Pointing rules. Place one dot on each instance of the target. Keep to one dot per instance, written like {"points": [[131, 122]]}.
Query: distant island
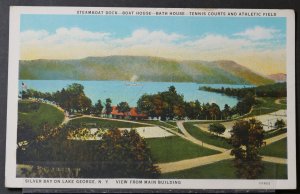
{"points": [[142, 68]]}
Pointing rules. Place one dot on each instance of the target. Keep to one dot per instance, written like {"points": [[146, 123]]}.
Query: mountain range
{"points": [[278, 77], [141, 68]]}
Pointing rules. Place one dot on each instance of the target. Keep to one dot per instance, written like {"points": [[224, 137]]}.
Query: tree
{"points": [[214, 111], [172, 89], [126, 155], [246, 138], [226, 112], [217, 128], [84, 104], [279, 124], [98, 107], [108, 107], [123, 107]]}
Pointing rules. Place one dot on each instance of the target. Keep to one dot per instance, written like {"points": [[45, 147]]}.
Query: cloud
{"points": [[144, 36], [218, 42], [30, 35], [62, 35], [75, 43], [258, 33]]}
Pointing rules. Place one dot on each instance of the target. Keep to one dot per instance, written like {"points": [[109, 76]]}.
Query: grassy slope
{"points": [[266, 105], [101, 123], [225, 170], [276, 149], [146, 68], [175, 148], [206, 137], [45, 114]]}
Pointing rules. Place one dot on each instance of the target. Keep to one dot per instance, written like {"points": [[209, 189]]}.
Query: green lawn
{"points": [[175, 148], [206, 137], [276, 149], [172, 123], [225, 170], [102, 123], [39, 115], [266, 105]]}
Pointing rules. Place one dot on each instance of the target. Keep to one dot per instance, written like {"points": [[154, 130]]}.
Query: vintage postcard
{"points": [[151, 98]]}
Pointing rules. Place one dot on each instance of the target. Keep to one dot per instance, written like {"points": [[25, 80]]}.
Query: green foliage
{"points": [[279, 124], [246, 139], [98, 107], [71, 99], [175, 148], [271, 90], [123, 107], [108, 107], [217, 128], [167, 104], [117, 155]]}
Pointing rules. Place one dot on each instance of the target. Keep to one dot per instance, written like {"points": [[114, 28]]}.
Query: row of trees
{"points": [[169, 105], [270, 90], [73, 99]]}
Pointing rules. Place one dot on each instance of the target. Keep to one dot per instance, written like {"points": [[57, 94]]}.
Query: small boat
{"points": [[133, 81]]}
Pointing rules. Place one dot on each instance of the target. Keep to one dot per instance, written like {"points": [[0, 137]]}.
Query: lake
{"points": [[130, 92]]}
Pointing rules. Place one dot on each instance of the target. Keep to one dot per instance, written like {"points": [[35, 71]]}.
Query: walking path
{"points": [[276, 138], [274, 160], [204, 160], [191, 163], [195, 162], [196, 141]]}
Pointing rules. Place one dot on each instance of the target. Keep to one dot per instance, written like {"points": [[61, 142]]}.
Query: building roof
{"points": [[133, 112]]}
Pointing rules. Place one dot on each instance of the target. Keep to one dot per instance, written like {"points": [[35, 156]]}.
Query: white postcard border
{"points": [[12, 101]]}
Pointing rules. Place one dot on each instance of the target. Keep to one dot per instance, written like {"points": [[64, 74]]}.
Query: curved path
{"points": [[196, 141], [204, 160], [195, 162]]}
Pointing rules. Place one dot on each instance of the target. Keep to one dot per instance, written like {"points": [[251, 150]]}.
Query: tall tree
{"points": [[123, 107], [98, 107], [226, 111], [108, 107], [246, 138], [214, 111]]}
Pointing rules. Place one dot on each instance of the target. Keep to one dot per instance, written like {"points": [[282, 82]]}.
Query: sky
{"points": [[258, 43]]}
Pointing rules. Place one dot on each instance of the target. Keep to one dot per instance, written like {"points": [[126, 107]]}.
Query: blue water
{"points": [[120, 91]]}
